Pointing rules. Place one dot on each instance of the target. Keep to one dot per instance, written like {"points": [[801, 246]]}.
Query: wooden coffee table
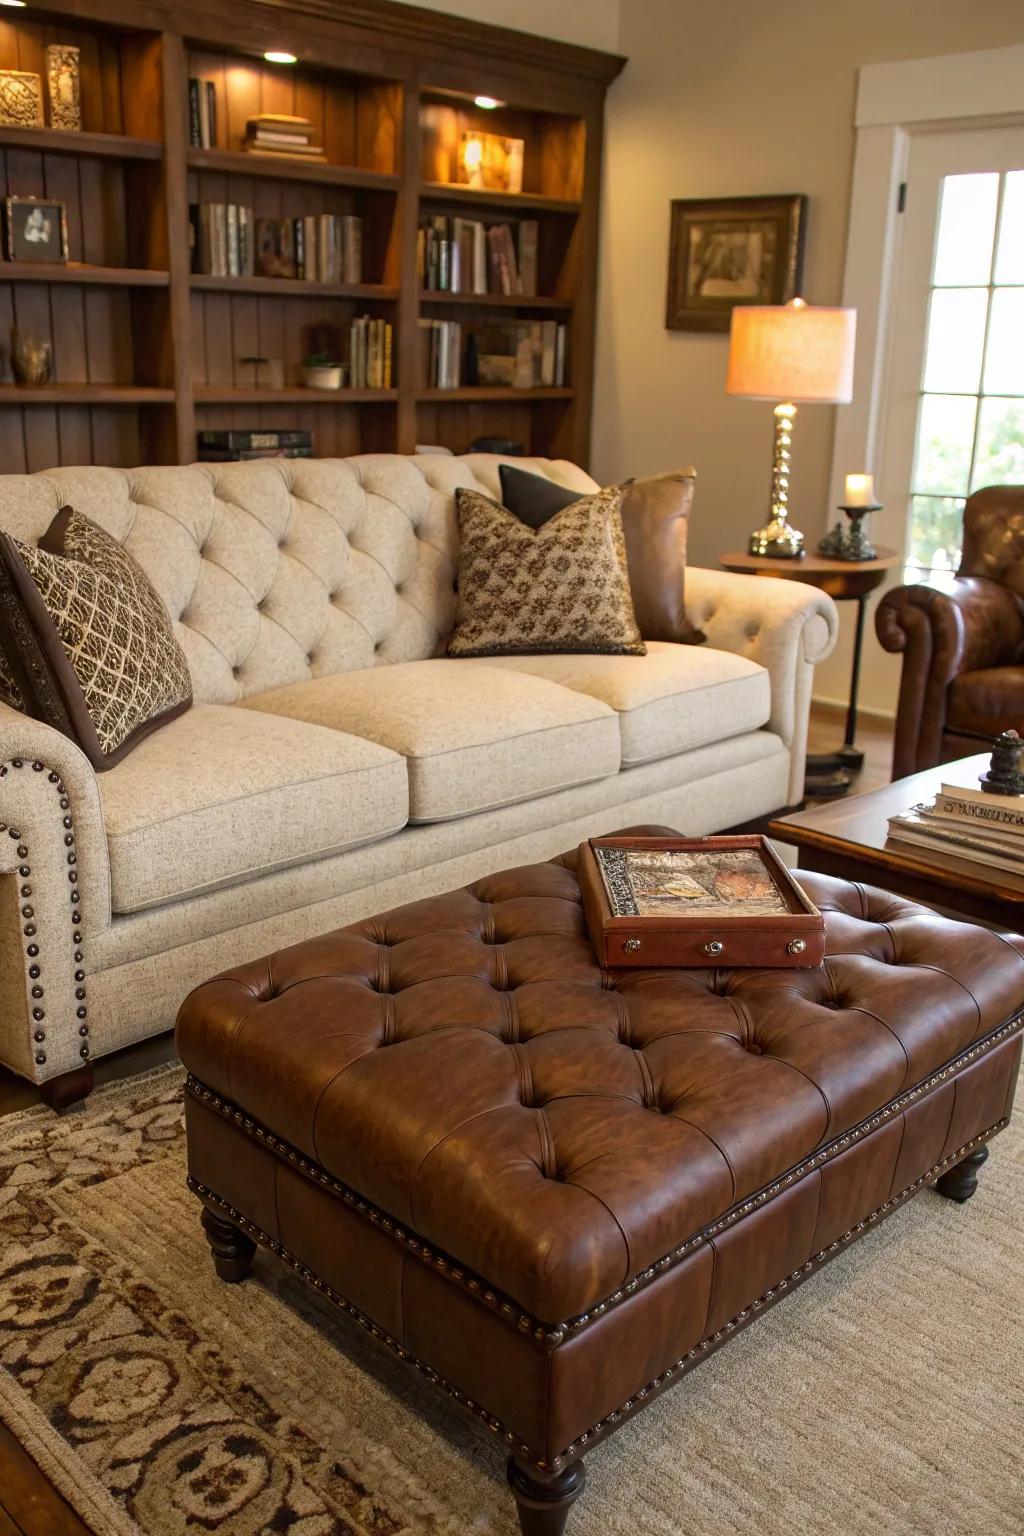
{"points": [[849, 838]]}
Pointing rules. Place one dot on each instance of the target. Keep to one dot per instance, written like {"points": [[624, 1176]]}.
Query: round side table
{"points": [[829, 773]]}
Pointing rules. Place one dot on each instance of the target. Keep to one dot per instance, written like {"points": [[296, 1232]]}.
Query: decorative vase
{"points": [[31, 359]]}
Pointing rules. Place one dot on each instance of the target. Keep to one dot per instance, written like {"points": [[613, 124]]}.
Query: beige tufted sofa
{"points": [[335, 763]]}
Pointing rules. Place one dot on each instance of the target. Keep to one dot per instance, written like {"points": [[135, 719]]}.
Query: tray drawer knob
{"points": [[713, 947], [796, 946]]}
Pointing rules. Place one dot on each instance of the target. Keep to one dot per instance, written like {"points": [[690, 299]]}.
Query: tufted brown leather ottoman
{"points": [[555, 1189]]}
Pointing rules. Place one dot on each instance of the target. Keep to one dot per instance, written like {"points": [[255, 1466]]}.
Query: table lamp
{"points": [[793, 352]]}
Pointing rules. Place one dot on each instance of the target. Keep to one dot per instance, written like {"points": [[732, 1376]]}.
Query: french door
{"points": [[955, 417]]}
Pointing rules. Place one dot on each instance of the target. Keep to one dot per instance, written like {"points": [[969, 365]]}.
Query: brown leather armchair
{"points": [[963, 650]]}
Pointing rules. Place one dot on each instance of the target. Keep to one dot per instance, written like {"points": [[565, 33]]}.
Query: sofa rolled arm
{"points": [[54, 894], [787, 627], [976, 624]]}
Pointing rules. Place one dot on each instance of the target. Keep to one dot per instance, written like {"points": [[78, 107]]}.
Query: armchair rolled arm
{"points": [[54, 895], [787, 627], [976, 624]]}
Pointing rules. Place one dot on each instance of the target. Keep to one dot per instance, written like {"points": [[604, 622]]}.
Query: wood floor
{"points": [[29, 1504]]}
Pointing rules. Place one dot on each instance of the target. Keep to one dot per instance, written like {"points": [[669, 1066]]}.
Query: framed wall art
{"points": [[725, 251], [35, 229]]}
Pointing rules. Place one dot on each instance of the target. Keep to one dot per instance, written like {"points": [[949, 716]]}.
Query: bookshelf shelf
{"points": [[293, 286], [484, 392], [509, 202], [274, 168], [81, 272], [84, 394], [228, 394], [112, 146], [496, 300], [389, 96]]}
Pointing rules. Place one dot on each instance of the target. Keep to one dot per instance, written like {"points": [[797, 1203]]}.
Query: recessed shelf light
{"points": [[488, 103], [14, 4], [275, 56]]}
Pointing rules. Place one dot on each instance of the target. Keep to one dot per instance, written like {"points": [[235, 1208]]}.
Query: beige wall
{"points": [[592, 23], [732, 97]]}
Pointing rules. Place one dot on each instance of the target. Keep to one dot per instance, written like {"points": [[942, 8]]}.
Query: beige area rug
{"points": [[885, 1395]]}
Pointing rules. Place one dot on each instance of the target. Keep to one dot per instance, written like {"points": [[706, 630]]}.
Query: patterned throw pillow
{"points": [[86, 644], [563, 587]]}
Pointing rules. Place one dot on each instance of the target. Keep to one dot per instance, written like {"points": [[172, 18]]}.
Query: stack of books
{"points": [[275, 133], [466, 256], [967, 824], [233, 445], [440, 354], [202, 114], [369, 354], [222, 239]]}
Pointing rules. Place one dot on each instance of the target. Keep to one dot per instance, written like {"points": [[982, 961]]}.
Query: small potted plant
{"points": [[320, 372]]}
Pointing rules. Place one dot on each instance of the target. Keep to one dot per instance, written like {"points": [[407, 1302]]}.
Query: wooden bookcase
{"points": [[146, 352]]}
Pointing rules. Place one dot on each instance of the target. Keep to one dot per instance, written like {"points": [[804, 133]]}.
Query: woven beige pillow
{"points": [[86, 644], [563, 587]]}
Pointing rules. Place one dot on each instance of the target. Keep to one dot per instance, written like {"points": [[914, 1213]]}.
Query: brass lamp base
{"points": [[778, 540]]}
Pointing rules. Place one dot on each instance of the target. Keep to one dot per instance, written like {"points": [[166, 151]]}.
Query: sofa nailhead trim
{"points": [[673, 1373], [37, 992], [550, 1335]]}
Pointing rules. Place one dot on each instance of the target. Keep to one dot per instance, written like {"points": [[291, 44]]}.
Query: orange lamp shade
{"points": [[797, 351]]}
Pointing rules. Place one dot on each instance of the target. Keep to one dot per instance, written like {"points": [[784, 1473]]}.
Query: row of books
{"points": [[456, 255], [202, 114], [368, 365], [967, 824], [517, 355], [318, 247]]}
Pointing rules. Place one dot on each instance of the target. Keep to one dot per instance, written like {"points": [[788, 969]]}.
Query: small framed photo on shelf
{"points": [[725, 251], [35, 229]]}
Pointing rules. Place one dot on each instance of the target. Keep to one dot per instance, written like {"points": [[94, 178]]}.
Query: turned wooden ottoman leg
{"points": [[543, 1501], [962, 1179], [232, 1250]]}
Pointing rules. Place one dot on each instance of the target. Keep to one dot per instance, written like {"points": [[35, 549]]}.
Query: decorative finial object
{"points": [[1006, 771]]}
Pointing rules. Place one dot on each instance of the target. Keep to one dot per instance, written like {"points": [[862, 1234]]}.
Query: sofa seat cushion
{"points": [[221, 795], [672, 700], [473, 738]]}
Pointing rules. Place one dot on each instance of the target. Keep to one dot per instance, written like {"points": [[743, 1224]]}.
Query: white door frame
{"points": [[894, 101]]}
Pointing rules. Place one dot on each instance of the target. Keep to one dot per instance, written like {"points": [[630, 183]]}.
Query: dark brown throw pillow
{"points": [[655, 519], [526, 592], [86, 644]]}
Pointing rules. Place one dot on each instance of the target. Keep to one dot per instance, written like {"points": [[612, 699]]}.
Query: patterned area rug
{"points": [[887, 1394]]}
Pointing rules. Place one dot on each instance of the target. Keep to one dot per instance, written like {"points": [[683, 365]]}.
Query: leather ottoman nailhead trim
{"points": [[548, 1335], [646, 1394]]}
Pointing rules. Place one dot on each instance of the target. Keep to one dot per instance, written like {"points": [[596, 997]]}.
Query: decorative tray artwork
{"points": [[674, 901]]}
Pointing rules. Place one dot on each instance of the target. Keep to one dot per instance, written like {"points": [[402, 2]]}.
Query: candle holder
{"points": [[851, 543]]}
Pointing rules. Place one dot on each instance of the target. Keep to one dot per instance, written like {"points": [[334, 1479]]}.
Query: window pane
{"points": [[936, 531], [1004, 362], [1000, 455], [1010, 256], [945, 436], [956, 340], [963, 252]]}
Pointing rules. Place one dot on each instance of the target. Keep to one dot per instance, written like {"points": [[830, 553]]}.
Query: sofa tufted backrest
{"points": [[279, 570]]}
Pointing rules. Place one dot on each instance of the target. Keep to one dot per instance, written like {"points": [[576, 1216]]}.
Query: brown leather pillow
{"points": [[655, 513], [86, 644]]}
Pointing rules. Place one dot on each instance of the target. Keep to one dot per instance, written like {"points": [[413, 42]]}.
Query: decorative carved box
{"points": [[62, 77], [21, 99], [696, 901]]}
